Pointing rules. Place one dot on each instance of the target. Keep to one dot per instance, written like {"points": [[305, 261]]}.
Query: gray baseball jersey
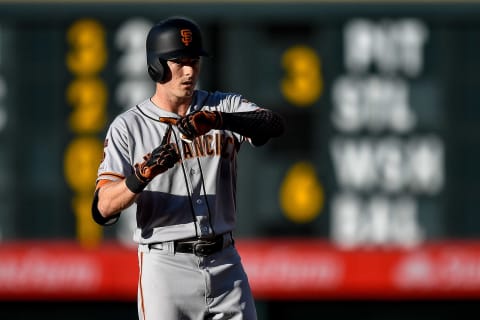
{"points": [[196, 198]]}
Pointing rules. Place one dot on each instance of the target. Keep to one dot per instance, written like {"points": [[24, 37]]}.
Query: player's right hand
{"points": [[159, 160]]}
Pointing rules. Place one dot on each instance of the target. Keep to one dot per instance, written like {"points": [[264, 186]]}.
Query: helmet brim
{"points": [[183, 54]]}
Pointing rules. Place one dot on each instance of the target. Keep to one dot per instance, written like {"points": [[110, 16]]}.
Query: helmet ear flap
{"points": [[158, 70]]}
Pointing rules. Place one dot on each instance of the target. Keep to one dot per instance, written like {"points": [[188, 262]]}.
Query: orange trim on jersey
{"points": [[101, 183], [114, 174], [142, 303]]}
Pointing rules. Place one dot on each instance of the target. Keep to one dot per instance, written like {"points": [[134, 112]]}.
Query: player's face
{"points": [[185, 72]]}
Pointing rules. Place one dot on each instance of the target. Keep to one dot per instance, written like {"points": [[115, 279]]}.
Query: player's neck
{"points": [[171, 103]]}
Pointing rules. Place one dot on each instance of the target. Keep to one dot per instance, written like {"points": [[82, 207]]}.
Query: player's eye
{"points": [[186, 61]]}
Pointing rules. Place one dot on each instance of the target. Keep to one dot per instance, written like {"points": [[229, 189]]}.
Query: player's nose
{"points": [[188, 69]]}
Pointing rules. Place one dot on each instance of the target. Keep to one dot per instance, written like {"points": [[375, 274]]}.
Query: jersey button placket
{"points": [[194, 173]]}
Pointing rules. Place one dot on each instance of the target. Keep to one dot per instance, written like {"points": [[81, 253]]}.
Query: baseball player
{"points": [[175, 156]]}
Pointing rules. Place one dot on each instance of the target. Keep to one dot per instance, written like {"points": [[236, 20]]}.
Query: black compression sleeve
{"points": [[259, 125], [97, 216]]}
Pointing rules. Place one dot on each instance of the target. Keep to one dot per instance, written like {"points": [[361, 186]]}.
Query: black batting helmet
{"points": [[172, 38]]}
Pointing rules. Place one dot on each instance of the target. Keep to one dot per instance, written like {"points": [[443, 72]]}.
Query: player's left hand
{"points": [[197, 123]]}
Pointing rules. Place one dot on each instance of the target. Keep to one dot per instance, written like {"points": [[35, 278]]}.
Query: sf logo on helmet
{"points": [[186, 36]]}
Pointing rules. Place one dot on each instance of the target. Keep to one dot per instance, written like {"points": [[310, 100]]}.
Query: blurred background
{"points": [[367, 207]]}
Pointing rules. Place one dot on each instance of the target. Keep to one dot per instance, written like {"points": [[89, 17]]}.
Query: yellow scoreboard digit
{"points": [[303, 83], [87, 96]]}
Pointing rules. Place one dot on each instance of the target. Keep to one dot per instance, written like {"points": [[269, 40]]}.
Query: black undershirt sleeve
{"points": [[259, 125]]}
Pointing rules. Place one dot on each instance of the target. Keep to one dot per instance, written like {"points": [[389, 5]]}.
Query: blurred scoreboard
{"points": [[381, 103]]}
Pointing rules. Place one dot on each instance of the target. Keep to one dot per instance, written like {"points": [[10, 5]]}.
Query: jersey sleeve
{"points": [[237, 103], [116, 162]]}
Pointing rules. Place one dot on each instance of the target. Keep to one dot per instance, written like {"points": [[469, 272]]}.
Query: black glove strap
{"points": [[134, 184]]}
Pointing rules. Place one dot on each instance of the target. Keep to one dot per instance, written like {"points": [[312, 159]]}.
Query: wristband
{"points": [[134, 184]]}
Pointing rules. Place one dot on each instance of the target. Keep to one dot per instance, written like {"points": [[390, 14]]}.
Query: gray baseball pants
{"points": [[183, 286]]}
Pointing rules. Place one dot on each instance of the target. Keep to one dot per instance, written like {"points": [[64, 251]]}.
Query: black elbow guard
{"points": [[97, 216]]}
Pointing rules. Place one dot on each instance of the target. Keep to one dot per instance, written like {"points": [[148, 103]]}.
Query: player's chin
{"points": [[187, 91]]}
